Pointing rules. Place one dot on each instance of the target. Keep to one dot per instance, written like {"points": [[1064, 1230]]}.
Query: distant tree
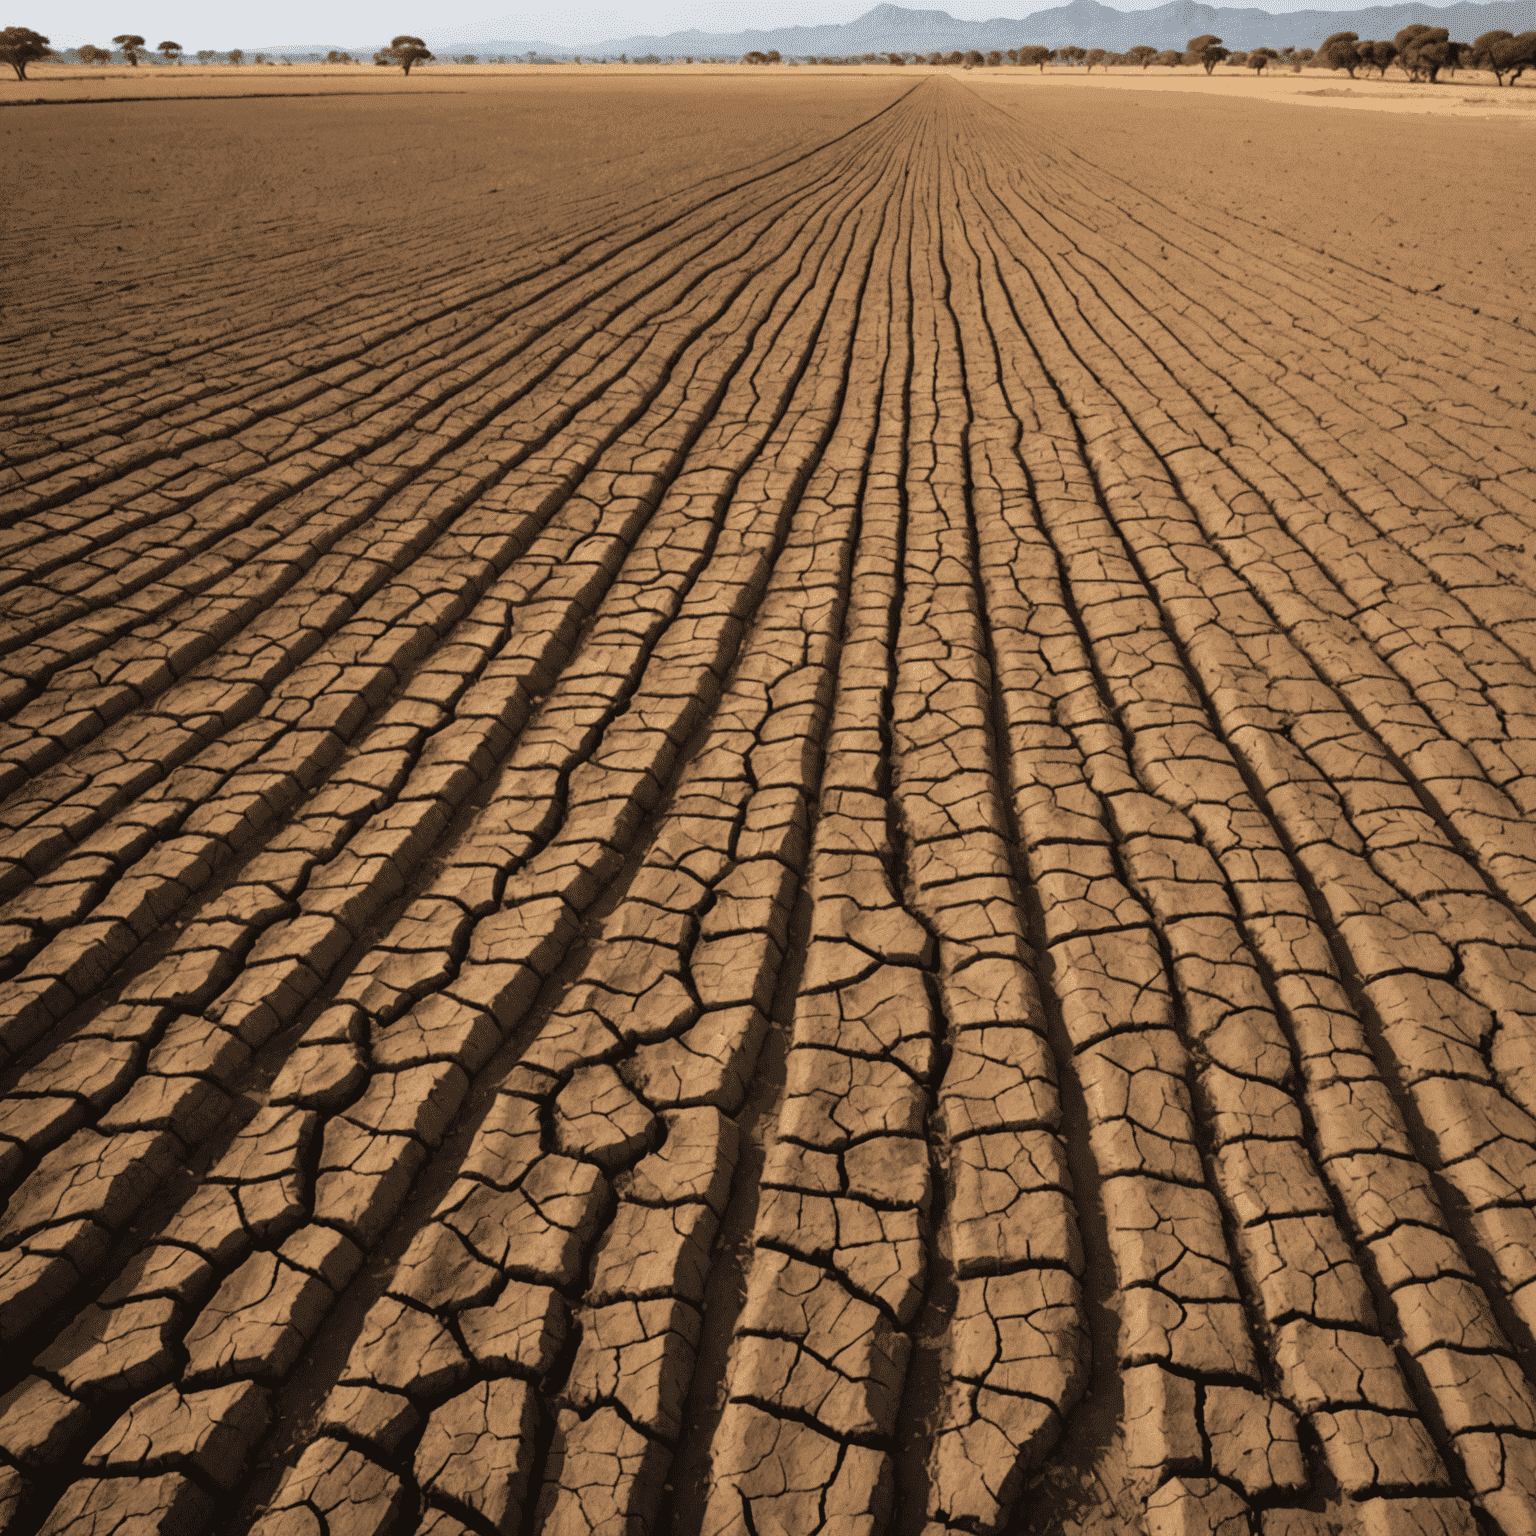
{"points": [[1072, 54], [1305, 55], [754, 57], [1341, 50], [406, 51], [1423, 51], [170, 52], [896, 58], [1169, 58], [131, 45], [236, 55], [1205, 51], [1502, 53], [994, 59], [1096, 56], [91, 54], [1237, 60], [1260, 60], [1141, 55], [1376, 55], [774, 57], [1037, 55], [20, 46], [260, 58], [335, 56], [206, 55], [973, 58]]}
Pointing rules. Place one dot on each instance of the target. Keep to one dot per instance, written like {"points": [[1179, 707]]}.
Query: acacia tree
{"points": [[1341, 50], [1205, 50], [1170, 58], [1038, 55], [1423, 51], [1096, 56], [237, 55], [1260, 59], [1237, 60], [170, 52], [1377, 56], [1072, 54], [20, 46], [1502, 53], [405, 51], [131, 45], [1141, 55], [91, 54]]}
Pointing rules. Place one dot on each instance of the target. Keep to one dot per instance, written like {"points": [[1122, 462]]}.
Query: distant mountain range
{"points": [[895, 29]]}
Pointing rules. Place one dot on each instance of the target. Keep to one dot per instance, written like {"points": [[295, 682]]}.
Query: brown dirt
{"points": [[768, 804]]}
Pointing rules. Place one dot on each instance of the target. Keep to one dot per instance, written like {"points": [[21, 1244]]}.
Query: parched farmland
{"points": [[767, 807]]}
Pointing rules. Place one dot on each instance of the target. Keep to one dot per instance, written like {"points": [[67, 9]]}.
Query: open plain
{"points": [[772, 803]]}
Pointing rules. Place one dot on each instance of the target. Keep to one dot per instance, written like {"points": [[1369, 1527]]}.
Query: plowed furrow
{"points": [[834, 836], [199, 964], [637, 388]]}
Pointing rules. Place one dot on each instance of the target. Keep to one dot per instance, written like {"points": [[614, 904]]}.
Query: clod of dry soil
{"points": [[768, 805]]}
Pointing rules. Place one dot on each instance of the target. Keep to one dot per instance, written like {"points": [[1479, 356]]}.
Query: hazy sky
{"points": [[349, 23]]}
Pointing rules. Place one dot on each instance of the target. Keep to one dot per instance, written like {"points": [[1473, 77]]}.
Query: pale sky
{"points": [[351, 24]]}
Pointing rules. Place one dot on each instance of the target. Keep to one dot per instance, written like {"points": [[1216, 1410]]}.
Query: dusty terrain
{"points": [[768, 805]]}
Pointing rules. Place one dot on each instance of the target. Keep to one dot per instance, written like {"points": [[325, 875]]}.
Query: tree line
{"points": [[1142, 56], [21, 46], [1421, 52]]}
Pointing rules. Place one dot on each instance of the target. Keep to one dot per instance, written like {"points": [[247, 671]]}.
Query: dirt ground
{"points": [[767, 802]]}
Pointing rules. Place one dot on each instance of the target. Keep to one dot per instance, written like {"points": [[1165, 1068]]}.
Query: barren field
{"points": [[767, 806]]}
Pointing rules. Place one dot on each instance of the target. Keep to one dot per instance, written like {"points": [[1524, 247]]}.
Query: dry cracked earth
{"points": [[830, 833]]}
